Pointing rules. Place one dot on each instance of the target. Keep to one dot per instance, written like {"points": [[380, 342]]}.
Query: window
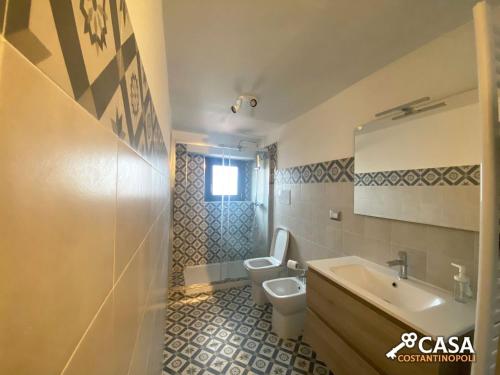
{"points": [[223, 178]]}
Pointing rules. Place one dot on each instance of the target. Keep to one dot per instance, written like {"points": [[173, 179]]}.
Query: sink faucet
{"points": [[402, 262]]}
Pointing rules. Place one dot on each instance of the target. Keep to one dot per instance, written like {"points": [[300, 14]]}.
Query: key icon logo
{"points": [[408, 340]]}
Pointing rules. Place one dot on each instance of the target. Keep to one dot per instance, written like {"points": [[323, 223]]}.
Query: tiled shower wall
{"points": [[85, 204], [317, 188], [207, 232]]}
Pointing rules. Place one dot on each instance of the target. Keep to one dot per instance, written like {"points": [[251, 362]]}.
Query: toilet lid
{"points": [[280, 244]]}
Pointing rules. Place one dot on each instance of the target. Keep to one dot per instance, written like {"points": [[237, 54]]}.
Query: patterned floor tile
{"points": [[223, 332], [261, 365], [219, 364], [175, 365], [192, 369], [278, 370]]}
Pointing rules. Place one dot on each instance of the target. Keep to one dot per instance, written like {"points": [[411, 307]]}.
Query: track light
{"points": [[235, 108], [252, 100]]}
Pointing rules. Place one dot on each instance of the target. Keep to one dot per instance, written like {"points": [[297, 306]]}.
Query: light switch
{"points": [[335, 215]]}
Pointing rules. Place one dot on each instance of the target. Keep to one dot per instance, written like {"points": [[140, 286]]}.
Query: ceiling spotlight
{"points": [[235, 108], [252, 100]]}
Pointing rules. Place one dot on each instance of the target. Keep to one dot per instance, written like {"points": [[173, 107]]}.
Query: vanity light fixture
{"points": [[410, 108], [403, 107], [414, 111]]}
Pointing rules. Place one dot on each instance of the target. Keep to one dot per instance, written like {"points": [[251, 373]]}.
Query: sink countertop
{"points": [[449, 318]]}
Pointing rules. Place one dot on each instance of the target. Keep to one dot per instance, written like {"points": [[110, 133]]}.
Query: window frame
{"points": [[209, 163]]}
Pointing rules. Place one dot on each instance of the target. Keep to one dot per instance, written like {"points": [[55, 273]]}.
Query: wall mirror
{"points": [[420, 163]]}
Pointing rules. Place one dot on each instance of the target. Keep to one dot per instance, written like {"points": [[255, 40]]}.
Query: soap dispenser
{"points": [[462, 291]]}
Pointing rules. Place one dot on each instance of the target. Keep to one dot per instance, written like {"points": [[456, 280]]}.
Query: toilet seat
{"points": [[261, 263], [279, 247], [266, 268]]}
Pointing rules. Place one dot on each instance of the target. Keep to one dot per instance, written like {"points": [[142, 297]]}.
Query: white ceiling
{"points": [[291, 54]]}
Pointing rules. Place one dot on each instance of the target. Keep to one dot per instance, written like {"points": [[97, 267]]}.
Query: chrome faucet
{"points": [[402, 262], [302, 276]]}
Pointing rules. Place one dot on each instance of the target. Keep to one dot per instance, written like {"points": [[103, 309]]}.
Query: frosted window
{"points": [[224, 180]]}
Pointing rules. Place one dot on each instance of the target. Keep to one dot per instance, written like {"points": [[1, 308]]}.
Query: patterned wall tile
{"points": [[88, 48], [341, 170], [443, 176], [95, 35], [207, 232]]}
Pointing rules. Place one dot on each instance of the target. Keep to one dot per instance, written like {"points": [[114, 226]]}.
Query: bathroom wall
{"points": [[440, 68], [325, 134], [430, 249], [84, 195], [207, 232]]}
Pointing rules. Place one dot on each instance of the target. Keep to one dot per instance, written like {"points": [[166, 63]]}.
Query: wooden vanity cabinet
{"points": [[352, 336]]}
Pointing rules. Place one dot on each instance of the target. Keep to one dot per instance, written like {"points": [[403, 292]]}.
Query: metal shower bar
{"points": [[222, 146]]}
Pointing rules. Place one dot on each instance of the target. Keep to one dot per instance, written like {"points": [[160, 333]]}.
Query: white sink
{"points": [[401, 293], [427, 308]]}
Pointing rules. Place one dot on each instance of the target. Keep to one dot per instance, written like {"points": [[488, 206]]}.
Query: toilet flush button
{"points": [[335, 215], [284, 196]]}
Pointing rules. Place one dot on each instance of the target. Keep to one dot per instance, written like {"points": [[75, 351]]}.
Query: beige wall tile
{"points": [[379, 229], [352, 243], [58, 201], [409, 235], [311, 192], [334, 197], [94, 355], [451, 242], [155, 359], [59, 167], [320, 211], [158, 290], [347, 194], [352, 223], [376, 250], [440, 272], [314, 236], [301, 209], [158, 193], [331, 238], [139, 361], [295, 193], [133, 211], [128, 294]]}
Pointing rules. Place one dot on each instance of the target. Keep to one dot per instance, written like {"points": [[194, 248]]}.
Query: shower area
{"points": [[220, 213]]}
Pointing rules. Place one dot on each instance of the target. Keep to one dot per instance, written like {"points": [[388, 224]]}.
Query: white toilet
{"points": [[266, 268], [288, 297]]}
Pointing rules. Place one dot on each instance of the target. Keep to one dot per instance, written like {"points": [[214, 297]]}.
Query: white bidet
{"points": [[288, 297]]}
